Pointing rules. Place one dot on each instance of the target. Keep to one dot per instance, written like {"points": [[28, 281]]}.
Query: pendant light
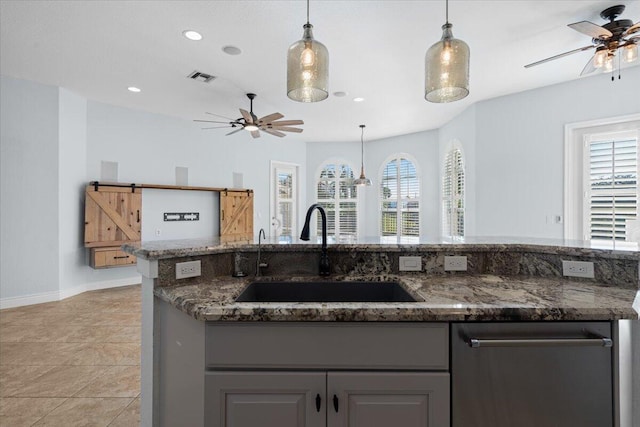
{"points": [[447, 67], [363, 180], [307, 68]]}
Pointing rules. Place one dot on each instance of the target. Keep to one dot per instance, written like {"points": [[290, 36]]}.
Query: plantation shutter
{"points": [[400, 199], [612, 190], [453, 183], [337, 194]]}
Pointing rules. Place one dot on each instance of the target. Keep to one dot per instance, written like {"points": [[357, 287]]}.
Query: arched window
{"points": [[337, 194], [453, 194], [400, 200]]}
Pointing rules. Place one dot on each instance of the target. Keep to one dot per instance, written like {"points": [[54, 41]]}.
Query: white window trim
{"points": [[273, 164], [383, 166], [574, 134], [316, 177]]}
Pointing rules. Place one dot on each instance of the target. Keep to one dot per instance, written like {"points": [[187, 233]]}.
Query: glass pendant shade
{"points": [[307, 69], [630, 53], [600, 57], [447, 69]]}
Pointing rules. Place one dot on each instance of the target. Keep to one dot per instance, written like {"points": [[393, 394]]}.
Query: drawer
{"points": [[345, 345], [110, 257]]}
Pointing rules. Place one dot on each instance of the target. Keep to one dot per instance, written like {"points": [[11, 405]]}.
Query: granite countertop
{"points": [[441, 298], [165, 249]]}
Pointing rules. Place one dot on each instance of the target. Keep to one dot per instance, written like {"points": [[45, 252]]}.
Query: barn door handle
{"points": [[318, 402], [335, 402], [138, 215]]}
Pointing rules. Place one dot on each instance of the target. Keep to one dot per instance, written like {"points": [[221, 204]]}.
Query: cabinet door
{"points": [[265, 399], [112, 215], [371, 399]]}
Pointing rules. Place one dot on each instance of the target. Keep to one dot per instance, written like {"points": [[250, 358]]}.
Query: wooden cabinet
{"points": [[332, 399], [110, 257], [112, 215]]}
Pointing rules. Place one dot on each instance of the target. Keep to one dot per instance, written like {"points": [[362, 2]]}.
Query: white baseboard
{"points": [[20, 301]]}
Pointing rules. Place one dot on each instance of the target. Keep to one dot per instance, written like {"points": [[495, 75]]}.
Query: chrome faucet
{"points": [[325, 269], [259, 264]]}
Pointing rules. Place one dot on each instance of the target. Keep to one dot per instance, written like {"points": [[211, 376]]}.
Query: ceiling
{"points": [[377, 48]]}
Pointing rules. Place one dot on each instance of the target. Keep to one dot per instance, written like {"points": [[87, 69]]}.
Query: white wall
{"points": [[520, 146], [156, 202], [28, 189], [423, 146], [149, 146]]}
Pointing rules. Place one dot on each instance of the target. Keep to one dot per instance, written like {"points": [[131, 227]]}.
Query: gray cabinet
{"points": [[266, 399], [383, 399], [333, 399]]}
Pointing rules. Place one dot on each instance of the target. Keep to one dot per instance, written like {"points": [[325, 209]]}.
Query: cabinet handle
{"points": [[549, 342], [335, 402], [121, 257], [138, 215], [318, 402]]}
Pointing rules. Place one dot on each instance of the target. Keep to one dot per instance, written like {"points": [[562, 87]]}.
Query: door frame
{"points": [[273, 165]]}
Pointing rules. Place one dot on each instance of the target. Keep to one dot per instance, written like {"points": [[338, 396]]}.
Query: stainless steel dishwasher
{"points": [[538, 374]]}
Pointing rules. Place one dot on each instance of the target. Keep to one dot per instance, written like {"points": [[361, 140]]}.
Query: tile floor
{"points": [[71, 363]]}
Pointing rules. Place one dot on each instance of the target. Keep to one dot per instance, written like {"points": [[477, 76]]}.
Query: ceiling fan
{"points": [[251, 123], [606, 40]]}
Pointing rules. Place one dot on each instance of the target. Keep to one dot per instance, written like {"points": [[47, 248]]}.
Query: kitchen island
{"points": [[515, 282]]}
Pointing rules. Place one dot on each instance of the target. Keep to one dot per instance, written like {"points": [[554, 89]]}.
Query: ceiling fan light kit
{"points": [[270, 123], [447, 67], [307, 68], [616, 36], [363, 180]]}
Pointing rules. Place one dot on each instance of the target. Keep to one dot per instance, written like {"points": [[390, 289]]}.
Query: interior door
{"points": [[369, 399], [265, 399], [284, 204], [112, 215]]}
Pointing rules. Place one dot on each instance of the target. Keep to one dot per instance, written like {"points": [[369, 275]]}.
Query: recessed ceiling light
{"points": [[133, 89], [340, 94], [192, 35], [231, 50], [358, 99]]}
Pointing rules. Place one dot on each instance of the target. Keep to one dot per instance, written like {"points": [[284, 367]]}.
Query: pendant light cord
{"points": [[446, 8], [307, 11], [362, 146]]}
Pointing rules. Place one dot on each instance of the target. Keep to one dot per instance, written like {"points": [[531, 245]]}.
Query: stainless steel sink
{"points": [[325, 292]]}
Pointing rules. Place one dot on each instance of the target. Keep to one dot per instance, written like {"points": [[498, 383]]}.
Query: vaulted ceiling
{"points": [[377, 48]]}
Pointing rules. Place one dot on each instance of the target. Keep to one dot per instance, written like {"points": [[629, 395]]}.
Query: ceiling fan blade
{"points": [[285, 129], [632, 29], [287, 123], [234, 131], [589, 67], [255, 134], [216, 127], [559, 56], [270, 118], [222, 117], [210, 121], [246, 115], [592, 30], [274, 132]]}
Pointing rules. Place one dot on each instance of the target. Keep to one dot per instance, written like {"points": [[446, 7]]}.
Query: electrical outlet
{"points": [[188, 269], [578, 269], [455, 263], [410, 263]]}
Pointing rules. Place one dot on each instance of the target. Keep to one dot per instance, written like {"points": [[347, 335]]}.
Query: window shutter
{"points": [[612, 190], [453, 182], [337, 194], [400, 200]]}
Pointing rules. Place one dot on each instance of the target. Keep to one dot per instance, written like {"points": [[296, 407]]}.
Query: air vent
{"points": [[201, 77]]}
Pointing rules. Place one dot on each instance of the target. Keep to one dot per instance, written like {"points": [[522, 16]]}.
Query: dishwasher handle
{"points": [[542, 342]]}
